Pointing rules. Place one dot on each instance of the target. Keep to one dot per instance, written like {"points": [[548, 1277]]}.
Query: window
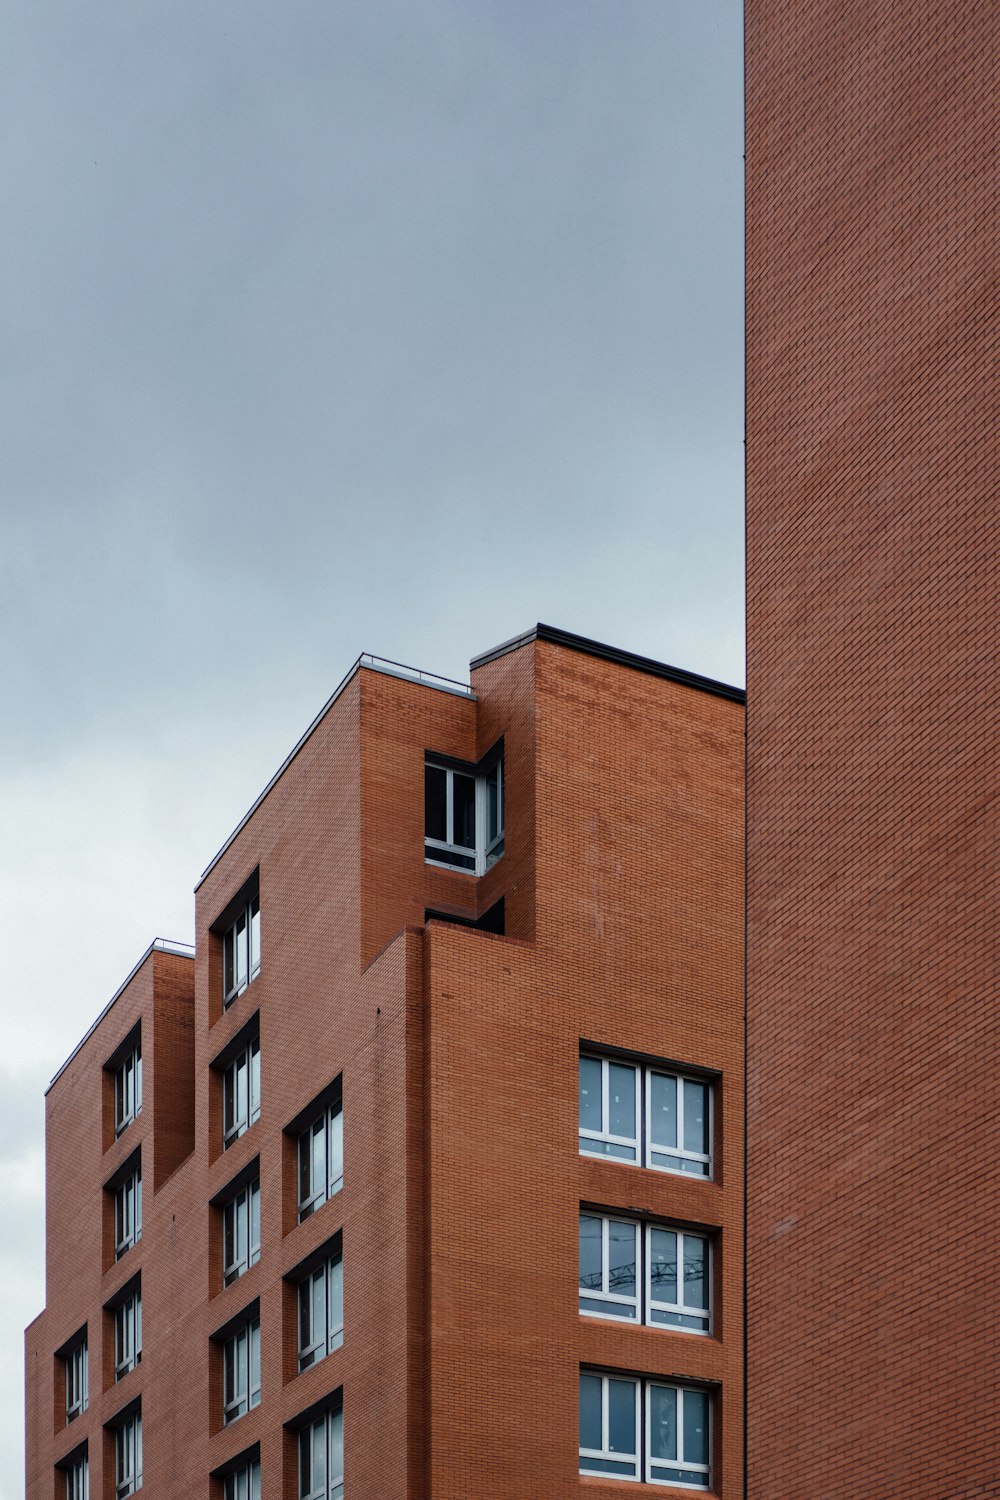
{"points": [[128, 1089], [75, 1363], [77, 1473], [643, 1115], [128, 1333], [128, 1457], [241, 1232], [321, 1458], [321, 1160], [241, 1371], [241, 1093], [128, 1212], [321, 1311], [464, 815], [241, 951], [244, 1483], [672, 1272], [644, 1429]]}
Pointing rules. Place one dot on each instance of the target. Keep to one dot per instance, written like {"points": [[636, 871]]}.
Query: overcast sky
{"points": [[327, 328]]}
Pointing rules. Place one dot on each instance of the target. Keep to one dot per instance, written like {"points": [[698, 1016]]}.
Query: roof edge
{"points": [[158, 945], [630, 659]]}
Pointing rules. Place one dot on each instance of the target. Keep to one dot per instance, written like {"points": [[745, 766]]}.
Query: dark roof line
{"points": [[582, 643]]}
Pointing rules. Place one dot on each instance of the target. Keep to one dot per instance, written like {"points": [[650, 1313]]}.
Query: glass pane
{"points": [[336, 1148], [318, 1155], [695, 1265], [255, 1080], [336, 1310], [622, 1243], [305, 1165], [305, 1461], [464, 825], [621, 1098], [621, 1416], [590, 1412], [606, 1309], [695, 1116], [695, 1427], [435, 794], [254, 936], [319, 1454], [662, 1422], [663, 1265], [255, 1480], [254, 1246], [625, 1468], [137, 1083], [590, 1093], [336, 1444], [228, 965], [590, 1254], [255, 1354], [240, 935], [663, 1109], [495, 824]]}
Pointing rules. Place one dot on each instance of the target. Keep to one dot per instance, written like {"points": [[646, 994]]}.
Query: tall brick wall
{"points": [[873, 1035]]}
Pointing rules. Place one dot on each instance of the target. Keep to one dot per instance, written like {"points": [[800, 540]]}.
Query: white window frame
{"points": [[485, 853], [241, 951], [605, 1135], [242, 1212], [332, 1438], [605, 1294], [331, 1124], [128, 1089], [695, 1469], [241, 1371], [76, 1380], [591, 1140], [78, 1478], [604, 1454], [243, 1483], [241, 1114], [677, 1309], [128, 1333], [128, 1456], [326, 1309], [128, 1212]]}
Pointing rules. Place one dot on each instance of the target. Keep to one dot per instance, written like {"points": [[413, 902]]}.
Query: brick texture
{"points": [[873, 1199]]}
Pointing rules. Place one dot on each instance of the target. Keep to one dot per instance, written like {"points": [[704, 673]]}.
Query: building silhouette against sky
{"points": [[423, 1175]]}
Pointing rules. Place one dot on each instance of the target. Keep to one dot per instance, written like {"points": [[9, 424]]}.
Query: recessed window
{"points": [[321, 1458], [241, 1093], [644, 1430], [128, 1333], [464, 815], [241, 1371], [75, 1366], [241, 951], [241, 1232], [644, 1273], [128, 1212], [128, 1089], [645, 1115], [321, 1159], [128, 1456], [321, 1311], [77, 1476], [244, 1483]]}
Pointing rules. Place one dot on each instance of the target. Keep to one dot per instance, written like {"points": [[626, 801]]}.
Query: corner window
{"points": [[128, 1457], [77, 1475], [321, 1459], [645, 1115], [644, 1430], [128, 1333], [75, 1366], [244, 1483], [241, 1093], [464, 814], [128, 1211], [241, 1232], [321, 1311], [241, 1371], [241, 951], [128, 1089], [644, 1273], [321, 1160]]}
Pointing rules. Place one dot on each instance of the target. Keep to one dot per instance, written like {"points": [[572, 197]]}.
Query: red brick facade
{"points": [[458, 1053], [872, 473]]}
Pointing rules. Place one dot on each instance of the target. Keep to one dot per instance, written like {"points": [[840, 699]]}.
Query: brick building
{"points": [[872, 476], [421, 1175]]}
